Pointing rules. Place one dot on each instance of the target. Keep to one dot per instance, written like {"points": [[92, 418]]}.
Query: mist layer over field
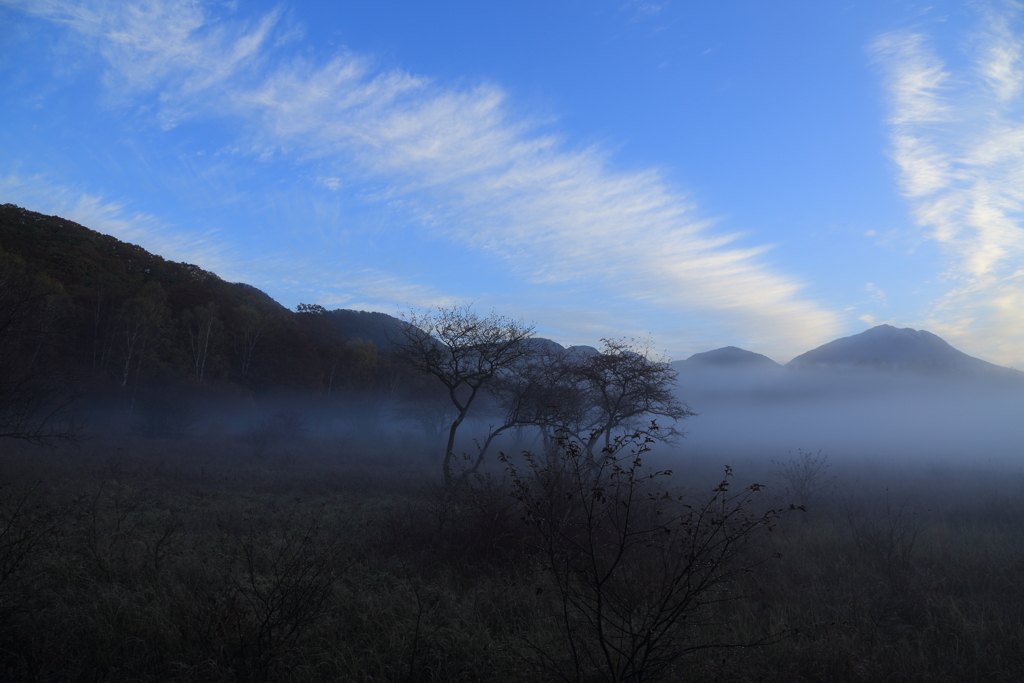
{"points": [[855, 413], [851, 416]]}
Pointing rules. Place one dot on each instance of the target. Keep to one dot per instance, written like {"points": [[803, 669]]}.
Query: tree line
{"points": [[84, 313]]}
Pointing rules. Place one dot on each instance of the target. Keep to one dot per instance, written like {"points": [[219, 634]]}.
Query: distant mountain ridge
{"points": [[728, 357], [882, 346], [885, 345]]}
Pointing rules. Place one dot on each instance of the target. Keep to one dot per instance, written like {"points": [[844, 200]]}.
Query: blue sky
{"points": [[766, 175]]}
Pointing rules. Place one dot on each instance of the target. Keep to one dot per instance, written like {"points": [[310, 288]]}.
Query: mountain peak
{"points": [[729, 357], [886, 345]]}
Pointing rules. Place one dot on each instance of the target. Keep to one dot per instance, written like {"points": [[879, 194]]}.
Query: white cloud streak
{"points": [[471, 171], [958, 139]]}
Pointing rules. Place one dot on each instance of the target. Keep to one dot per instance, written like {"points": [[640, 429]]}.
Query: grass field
{"points": [[136, 560]]}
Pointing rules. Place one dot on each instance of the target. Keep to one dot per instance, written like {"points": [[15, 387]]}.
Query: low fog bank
{"points": [[743, 417], [281, 421], [855, 413]]}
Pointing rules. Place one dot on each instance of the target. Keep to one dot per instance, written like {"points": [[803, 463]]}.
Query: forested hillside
{"points": [[123, 323]]}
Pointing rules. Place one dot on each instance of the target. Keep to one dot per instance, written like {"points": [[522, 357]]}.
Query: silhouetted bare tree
{"points": [[466, 352], [202, 328], [591, 395], [142, 318], [250, 326], [623, 387]]}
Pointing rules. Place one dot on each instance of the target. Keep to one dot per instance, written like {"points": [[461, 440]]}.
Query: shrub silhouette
{"points": [[805, 476], [635, 572]]}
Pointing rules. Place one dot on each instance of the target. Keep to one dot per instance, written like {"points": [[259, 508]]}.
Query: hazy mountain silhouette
{"points": [[582, 350], [727, 357], [881, 362], [886, 346]]}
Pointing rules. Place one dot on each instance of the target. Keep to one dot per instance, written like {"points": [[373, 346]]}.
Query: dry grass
{"points": [[191, 560]]}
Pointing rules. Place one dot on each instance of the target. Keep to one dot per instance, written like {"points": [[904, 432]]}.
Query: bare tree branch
{"points": [[467, 353]]}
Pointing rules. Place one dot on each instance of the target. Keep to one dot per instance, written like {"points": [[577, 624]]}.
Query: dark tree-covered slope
{"points": [[138, 319]]}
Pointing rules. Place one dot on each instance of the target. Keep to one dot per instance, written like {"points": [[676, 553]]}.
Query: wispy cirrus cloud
{"points": [[958, 140], [464, 166]]}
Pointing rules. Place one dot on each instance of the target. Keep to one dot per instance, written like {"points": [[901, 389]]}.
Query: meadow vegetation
{"points": [[201, 559]]}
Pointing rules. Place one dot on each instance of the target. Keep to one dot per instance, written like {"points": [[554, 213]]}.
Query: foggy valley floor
{"points": [[127, 559]]}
